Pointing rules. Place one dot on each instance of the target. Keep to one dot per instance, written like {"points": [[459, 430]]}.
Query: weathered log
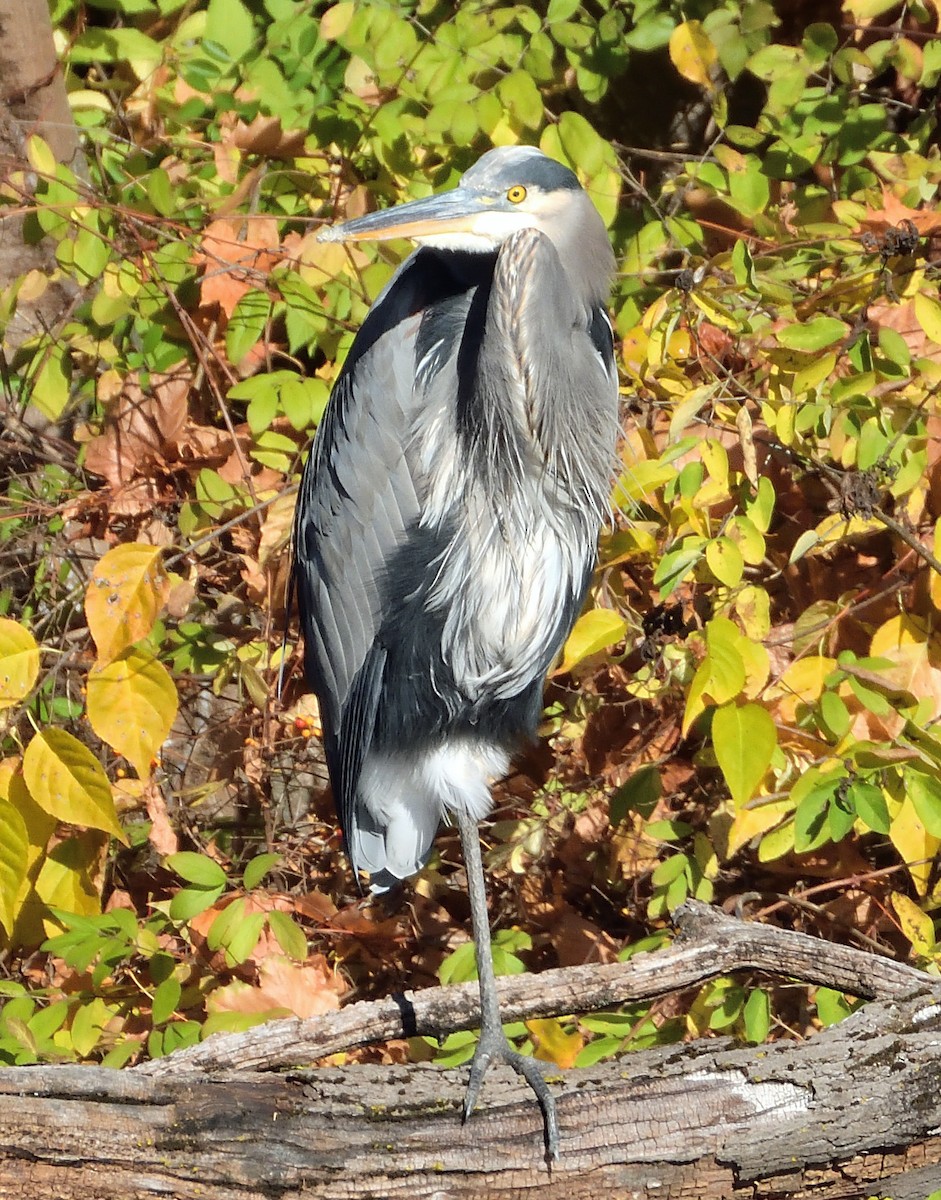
{"points": [[853, 1111]]}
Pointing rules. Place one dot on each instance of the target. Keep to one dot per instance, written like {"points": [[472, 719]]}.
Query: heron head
{"points": [[509, 188]]}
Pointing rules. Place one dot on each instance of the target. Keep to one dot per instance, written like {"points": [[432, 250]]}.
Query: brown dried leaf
{"points": [[162, 835], [307, 990], [141, 428], [265, 136], [315, 906], [894, 212]]}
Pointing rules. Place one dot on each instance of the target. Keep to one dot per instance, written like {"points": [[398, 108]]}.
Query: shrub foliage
{"points": [[746, 712]]}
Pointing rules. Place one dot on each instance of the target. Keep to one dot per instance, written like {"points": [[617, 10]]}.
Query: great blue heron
{"points": [[448, 518]]}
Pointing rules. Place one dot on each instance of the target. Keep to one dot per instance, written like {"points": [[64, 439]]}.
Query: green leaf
{"points": [[257, 869], [835, 714], [88, 1025], [190, 901], [289, 935], [229, 24], [806, 542], [166, 1000], [521, 96], [810, 819], [671, 868], [832, 1006], [196, 868], [869, 698], [640, 793], [247, 323], [674, 566], [841, 814], [757, 1016], [460, 966], [561, 10], [813, 335], [109, 46], [744, 739], [243, 938], [160, 193], [870, 806], [51, 387], [925, 793]]}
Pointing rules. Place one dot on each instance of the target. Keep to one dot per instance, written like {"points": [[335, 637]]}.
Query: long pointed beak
{"points": [[450, 212]]}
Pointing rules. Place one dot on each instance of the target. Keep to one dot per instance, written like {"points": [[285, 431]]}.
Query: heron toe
{"points": [[494, 1047]]}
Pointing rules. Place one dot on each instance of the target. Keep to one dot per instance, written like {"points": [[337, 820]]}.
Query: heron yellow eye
{"points": [[516, 194]]}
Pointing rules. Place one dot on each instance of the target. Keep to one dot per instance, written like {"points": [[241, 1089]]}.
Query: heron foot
{"points": [[493, 1047]]}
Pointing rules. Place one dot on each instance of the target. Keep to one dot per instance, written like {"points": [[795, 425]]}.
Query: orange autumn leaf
{"points": [[236, 254], [307, 990], [553, 1044]]}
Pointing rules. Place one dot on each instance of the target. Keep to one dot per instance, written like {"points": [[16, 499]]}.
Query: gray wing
{"points": [[356, 501], [359, 499]]}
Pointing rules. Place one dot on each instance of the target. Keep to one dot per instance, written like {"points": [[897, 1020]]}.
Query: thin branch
{"points": [[710, 944]]}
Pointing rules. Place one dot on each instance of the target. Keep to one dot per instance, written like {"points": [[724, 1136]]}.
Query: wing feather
{"points": [[360, 499]]}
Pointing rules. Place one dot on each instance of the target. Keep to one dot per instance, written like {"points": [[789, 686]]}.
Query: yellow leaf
{"points": [[553, 1044], [917, 926], [65, 878], [715, 459], [127, 590], [725, 561], [915, 844], [639, 541], [714, 311], [132, 704], [594, 631], [721, 674], [19, 662], [751, 823], [66, 780], [749, 539], [808, 377], [757, 663], [743, 423], [903, 631], [336, 20], [753, 605], [39, 824], [692, 53], [928, 315], [40, 157], [744, 739], [934, 579], [801, 683], [14, 850], [640, 480]]}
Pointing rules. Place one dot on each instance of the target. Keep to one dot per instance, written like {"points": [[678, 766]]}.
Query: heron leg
{"points": [[493, 1045]]}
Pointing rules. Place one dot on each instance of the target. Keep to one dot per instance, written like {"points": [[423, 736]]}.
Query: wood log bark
{"points": [[853, 1111]]}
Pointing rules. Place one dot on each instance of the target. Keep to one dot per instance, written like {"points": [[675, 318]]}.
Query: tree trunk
{"points": [[853, 1111], [33, 100]]}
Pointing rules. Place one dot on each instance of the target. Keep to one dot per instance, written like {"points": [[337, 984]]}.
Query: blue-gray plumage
{"points": [[448, 516]]}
